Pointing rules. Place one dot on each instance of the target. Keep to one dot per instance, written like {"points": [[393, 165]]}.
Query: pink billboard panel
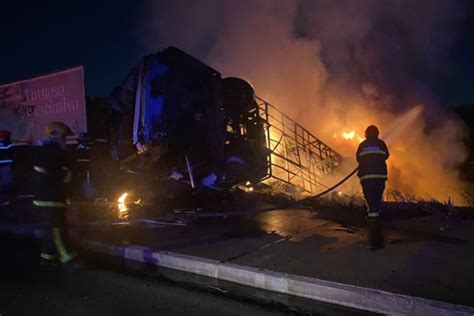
{"points": [[27, 106]]}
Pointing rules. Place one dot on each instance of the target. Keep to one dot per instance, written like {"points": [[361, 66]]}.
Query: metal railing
{"points": [[296, 156]]}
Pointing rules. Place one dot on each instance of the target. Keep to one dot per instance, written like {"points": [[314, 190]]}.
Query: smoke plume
{"points": [[336, 66]]}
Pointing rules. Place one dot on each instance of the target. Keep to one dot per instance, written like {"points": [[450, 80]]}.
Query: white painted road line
{"points": [[325, 291]]}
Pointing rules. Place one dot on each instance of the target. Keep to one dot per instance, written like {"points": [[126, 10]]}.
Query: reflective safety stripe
{"points": [[46, 256], [374, 176], [48, 203], [6, 147], [68, 176], [40, 169], [83, 160], [64, 256], [373, 214], [6, 161], [372, 152]]}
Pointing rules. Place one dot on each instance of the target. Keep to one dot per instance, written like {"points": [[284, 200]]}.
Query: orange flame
{"points": [[122, 206], [351, 136], [348, 135]]}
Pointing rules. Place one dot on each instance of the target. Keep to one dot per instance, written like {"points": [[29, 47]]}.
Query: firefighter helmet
{"points": [[56, 130], [372, 131]]}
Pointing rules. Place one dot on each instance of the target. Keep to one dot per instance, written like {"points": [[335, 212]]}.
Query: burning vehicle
{"points": [[186, 123]]}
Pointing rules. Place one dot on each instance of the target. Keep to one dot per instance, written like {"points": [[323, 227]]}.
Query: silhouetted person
{"points": [[52, 178], [371, 156]]}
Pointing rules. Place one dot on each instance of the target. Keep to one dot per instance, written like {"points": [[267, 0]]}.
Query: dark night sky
{"points": [[101, 35], [459, 86], [42, 36]]}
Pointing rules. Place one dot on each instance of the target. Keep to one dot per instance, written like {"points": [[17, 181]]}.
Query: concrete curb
{"points": [[320, 290]]}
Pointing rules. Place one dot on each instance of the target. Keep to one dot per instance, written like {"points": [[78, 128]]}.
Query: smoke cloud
{"points": [[337, 66]]}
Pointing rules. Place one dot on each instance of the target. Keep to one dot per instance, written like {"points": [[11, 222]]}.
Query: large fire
{"points": [[420, 166], [337, 78], [417, 167]]}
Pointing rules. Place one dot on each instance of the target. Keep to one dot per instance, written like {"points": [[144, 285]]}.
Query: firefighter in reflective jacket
{"points": [[6, 162], [53, 175], [371, 156]]}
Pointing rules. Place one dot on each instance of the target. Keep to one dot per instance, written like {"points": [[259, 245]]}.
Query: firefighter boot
{"points": [[376, 239]]}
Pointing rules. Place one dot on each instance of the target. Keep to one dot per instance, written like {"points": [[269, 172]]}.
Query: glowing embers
{"points": [[248, 187], [122, 209]]}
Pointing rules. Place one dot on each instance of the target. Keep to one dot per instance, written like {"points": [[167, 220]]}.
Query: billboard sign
{"points": [[27, 106]]}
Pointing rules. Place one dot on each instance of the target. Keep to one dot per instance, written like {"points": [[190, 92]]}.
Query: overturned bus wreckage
{"points": [[187, 124]]}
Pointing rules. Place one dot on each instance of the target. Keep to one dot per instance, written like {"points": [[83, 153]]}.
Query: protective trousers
{"points": [[373, 193], [53, 243]]}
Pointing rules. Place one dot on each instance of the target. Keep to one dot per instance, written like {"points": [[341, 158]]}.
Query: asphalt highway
{"points": [[104, 287]]}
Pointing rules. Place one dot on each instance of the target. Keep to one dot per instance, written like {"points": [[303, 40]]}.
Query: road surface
{"points": [[104, 287]]}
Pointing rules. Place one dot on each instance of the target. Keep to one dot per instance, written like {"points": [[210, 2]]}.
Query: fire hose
{"points": [[220, 214], [328, 189], [335, 186]]}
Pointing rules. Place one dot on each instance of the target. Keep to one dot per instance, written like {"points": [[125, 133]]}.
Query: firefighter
{"points": [[6, 162], [371, 156], [52, 177]]}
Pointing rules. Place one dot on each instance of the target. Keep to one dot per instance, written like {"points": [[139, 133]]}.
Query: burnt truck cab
{"points": [[175, 109]]}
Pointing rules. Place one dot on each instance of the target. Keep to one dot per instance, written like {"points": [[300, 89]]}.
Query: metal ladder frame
{"points": [[296, 156]]}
